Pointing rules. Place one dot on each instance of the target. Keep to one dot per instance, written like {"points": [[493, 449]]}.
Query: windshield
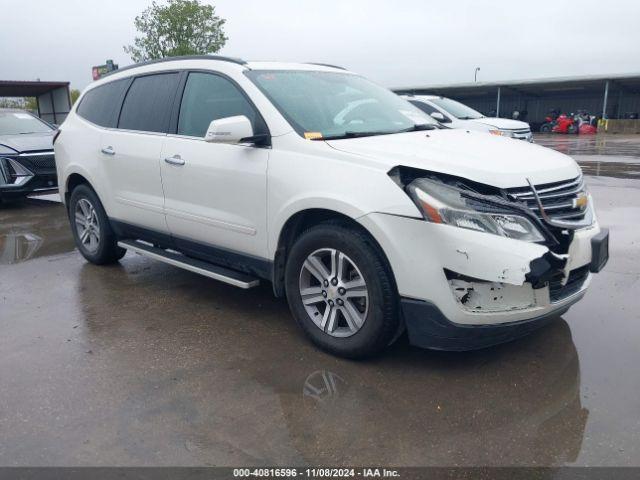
{"points": [[322, 105], [457, 109], [17, 123]]}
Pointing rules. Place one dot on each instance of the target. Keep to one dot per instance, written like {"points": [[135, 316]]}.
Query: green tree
{"points": [[181, 27], [74, 94], [31, 104]]}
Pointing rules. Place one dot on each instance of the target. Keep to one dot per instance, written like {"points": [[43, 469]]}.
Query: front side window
{"points": [[100, 104], [333, 105], [148, 103], [457, 109], [209, 97], [21, 123]]}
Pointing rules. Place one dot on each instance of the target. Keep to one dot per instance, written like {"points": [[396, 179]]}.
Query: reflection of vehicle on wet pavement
{"points": [[369, 215], [27, 162], [468, 416], [18, 247], [32, 229]]}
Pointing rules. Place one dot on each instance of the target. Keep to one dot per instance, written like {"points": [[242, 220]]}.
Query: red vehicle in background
{"points": [[580, 122]]}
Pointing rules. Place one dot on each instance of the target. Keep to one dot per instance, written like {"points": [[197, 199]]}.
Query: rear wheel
{"points": [[341, 291], [91, 229], [545, 128]]}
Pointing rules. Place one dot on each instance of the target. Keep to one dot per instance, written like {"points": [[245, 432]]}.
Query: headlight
{"points": [[440, 203], [502, 133]]}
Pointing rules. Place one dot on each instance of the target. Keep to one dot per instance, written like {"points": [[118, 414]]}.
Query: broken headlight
{"points": [[442, 203]]}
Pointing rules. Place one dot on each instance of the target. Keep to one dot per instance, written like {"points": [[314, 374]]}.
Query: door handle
{"points": [[108, 150], [175, 160]]}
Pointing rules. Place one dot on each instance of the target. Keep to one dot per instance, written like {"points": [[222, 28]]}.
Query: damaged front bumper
{"points": [[463, 289]]}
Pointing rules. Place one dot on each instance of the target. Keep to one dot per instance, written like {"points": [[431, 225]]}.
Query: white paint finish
{"points": [[219, 195], [229, 130], [418, 252], [488, 159], [306, 174], [131, 176], [240, 197], [579, 253], [80, 156]]}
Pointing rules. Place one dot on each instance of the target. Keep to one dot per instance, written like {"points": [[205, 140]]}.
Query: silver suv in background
{"points": [[457, 115], [27, 163]]}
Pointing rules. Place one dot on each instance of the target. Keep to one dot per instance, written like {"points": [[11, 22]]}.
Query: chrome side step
{"points": [[226, 275]]}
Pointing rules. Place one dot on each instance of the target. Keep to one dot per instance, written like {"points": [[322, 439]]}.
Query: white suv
{"points": [[458, 115], [365, 213]]}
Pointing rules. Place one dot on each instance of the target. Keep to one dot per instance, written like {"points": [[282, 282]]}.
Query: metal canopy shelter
{"points": [[54, 101], [610, 96]]}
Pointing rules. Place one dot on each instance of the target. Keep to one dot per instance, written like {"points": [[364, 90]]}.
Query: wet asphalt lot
{"points": [[146, 364]]}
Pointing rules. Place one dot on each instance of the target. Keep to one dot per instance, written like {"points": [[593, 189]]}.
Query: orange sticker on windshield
{"points": [[312, 135]]}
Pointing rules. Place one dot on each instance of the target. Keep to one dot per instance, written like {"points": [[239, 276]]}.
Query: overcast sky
{"points": [[397, 43]]}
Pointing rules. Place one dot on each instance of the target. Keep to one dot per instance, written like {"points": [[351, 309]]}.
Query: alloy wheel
{"points": [[87, 226], [334, 292]]}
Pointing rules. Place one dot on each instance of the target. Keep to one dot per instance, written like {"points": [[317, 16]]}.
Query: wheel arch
{"points": [[74, 176], [302, 220]]}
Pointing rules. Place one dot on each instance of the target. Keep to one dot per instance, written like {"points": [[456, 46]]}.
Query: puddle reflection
{"points": [[610, 169], [31, 229], [424, 407], [610, 145], [18, 247]]}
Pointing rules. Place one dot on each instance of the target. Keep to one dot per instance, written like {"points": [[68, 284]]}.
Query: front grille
{"points": [[522, 131], [38, 163], [576, 280], [558, 199]]}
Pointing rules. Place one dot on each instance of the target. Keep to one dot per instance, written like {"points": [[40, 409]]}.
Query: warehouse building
{"points": [[606, 96], [52, 98]]}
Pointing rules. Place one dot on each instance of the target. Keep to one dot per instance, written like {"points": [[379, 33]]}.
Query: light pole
{"points": [[475, 74]]}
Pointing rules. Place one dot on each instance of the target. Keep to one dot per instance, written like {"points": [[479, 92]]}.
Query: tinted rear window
{"points": [[100, 105], [147, 105]]}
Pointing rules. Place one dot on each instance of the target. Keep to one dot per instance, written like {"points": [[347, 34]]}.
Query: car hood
{"points": [[28, 142], [480, 157], [502, 123]]}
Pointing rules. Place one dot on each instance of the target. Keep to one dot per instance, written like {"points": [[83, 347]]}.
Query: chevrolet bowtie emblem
{"points": [[580, 201]]}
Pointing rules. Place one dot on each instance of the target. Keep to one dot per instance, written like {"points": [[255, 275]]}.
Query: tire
{"points": [[368, 318], [105, 250], [545, 128]]}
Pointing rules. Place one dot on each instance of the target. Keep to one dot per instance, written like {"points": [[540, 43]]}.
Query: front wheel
{"points": [[91, 229], [341, 291]]}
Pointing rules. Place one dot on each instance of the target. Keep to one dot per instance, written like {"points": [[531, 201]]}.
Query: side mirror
{"points": [[440, 117], [236, 129]]}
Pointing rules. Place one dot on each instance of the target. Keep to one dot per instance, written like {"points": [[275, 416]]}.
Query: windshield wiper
{"points": [[351, 134], [421, 126]]}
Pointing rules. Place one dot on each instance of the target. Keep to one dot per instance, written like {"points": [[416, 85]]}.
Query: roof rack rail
{"points": [[326, 65], [220, 58]]}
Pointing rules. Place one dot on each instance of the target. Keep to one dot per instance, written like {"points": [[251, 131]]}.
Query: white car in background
{"points": [[457, 115]]}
